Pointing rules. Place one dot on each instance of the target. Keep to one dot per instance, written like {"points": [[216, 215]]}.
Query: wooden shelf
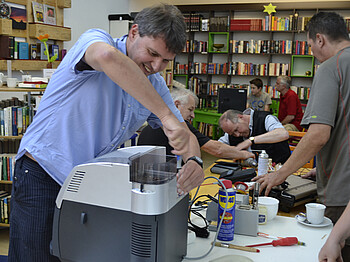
{"points": [[27, 64], [10, 137], [55, 32], [4, 225], [18, 89], [5, 182]]}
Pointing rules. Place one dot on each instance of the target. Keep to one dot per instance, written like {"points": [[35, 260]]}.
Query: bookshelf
{"points": [[255, 45], [10, 143], [57, 33]]}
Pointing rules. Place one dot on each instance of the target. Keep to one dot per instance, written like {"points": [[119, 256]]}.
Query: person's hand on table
{"points": [[191, 175], [331, 251], [268, 181], [311, 174]]}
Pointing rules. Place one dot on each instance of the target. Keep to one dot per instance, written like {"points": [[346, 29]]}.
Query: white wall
{"points": [[86, 14]]}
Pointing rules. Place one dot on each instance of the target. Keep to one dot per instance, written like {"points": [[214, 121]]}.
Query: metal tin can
{"points": [[263, 163], [226, 231]]}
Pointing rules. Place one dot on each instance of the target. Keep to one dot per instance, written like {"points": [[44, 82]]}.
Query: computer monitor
{"points": [[232, 98]]}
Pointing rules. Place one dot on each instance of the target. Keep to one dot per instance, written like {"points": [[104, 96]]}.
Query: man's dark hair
{"points": [[257, 81], [330, 24], [164, 21]]}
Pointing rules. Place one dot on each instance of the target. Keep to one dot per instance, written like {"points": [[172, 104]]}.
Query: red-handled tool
{"points": [[287, 241]]}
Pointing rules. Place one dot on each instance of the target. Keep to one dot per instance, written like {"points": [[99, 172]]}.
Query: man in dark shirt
{"points": [[186, 102]]}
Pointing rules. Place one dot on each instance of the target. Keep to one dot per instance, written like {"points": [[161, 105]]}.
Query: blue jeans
{"points": [[32, 207]]}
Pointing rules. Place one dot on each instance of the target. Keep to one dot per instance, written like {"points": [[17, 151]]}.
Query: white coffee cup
{"points": [[271, 205], [315, 213], [11, 82]]}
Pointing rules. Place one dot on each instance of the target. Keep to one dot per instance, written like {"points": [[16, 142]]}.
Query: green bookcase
{"points": [[218, 38], [302, 66]]}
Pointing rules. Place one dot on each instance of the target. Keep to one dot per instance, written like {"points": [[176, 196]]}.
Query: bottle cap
{"points": [[227, 183]]}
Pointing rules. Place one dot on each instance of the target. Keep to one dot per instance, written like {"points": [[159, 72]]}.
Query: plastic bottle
{"points": [[263, 163], [226, 232]]}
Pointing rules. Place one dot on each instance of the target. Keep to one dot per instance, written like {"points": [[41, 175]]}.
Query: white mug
{"points": [[1, 77], [11, 82], [315, 213]]}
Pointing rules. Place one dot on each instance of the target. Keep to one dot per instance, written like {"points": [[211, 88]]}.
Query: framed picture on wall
{"points": [[18, 16], [49, 14]]}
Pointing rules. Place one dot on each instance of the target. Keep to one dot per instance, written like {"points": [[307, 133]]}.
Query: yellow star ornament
{"points": [[270, 9]]}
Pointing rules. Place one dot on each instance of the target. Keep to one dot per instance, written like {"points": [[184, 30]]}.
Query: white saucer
{"points": [[230, 258], [326, 222]]}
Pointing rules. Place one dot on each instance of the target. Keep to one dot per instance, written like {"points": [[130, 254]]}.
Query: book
{"points": [[5, 46], [33, 51], [38, 12], [54, 50], [23, 50], [49, 14]]}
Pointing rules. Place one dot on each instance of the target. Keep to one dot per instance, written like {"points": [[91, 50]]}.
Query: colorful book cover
{"points": [[38, 12]]}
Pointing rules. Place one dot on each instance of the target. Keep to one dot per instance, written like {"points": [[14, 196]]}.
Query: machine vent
{"points": [[75, 182], [141, 240]]}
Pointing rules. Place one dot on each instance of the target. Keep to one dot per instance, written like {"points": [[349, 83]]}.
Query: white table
{"points": [[280, 227]]}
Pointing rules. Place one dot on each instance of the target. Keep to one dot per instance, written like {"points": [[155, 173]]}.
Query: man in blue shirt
{"points": [[102, 92]]}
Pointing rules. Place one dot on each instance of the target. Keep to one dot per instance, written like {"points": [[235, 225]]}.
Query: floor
{"points": [[4, 232]]}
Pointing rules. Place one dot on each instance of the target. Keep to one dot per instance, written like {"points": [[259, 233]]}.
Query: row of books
{"points": [[7, 166], [14, 120], [293, 22], [16, 48], [254, 47], [206, 129], [5, 200], [9, 146], [195, 46], [234, 68], [270, 47]]}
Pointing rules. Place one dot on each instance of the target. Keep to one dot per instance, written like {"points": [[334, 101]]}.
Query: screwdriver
{"points": [[287, 241]]}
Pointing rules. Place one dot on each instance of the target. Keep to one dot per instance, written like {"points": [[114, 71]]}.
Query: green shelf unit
{"points": [[302, 66], [182, 78], [218, 38]]}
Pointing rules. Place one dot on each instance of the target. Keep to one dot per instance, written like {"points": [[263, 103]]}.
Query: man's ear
{"points": [[320, 39], [133, 32], [177, 103]]}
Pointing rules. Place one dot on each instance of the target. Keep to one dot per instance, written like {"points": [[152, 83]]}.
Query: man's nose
{"points": [[157, 65]]}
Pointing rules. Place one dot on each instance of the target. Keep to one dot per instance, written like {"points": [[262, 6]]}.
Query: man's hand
{"points": [[190, 176], [311, 174], [244, 145], [246, 154], [331, 251], [178, 135], [268, 181]]}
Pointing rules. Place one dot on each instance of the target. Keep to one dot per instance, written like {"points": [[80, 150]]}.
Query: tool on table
{"points": [[243, 248], [255, 195], [287, 241]]}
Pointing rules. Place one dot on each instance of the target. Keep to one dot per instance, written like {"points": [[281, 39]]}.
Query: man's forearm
{"points": [[194, 149], [274, 136], [287, 119], [221, 150]]}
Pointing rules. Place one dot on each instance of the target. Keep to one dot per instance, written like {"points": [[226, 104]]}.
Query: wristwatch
{"points": [[197, 159], [252, 139]]}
